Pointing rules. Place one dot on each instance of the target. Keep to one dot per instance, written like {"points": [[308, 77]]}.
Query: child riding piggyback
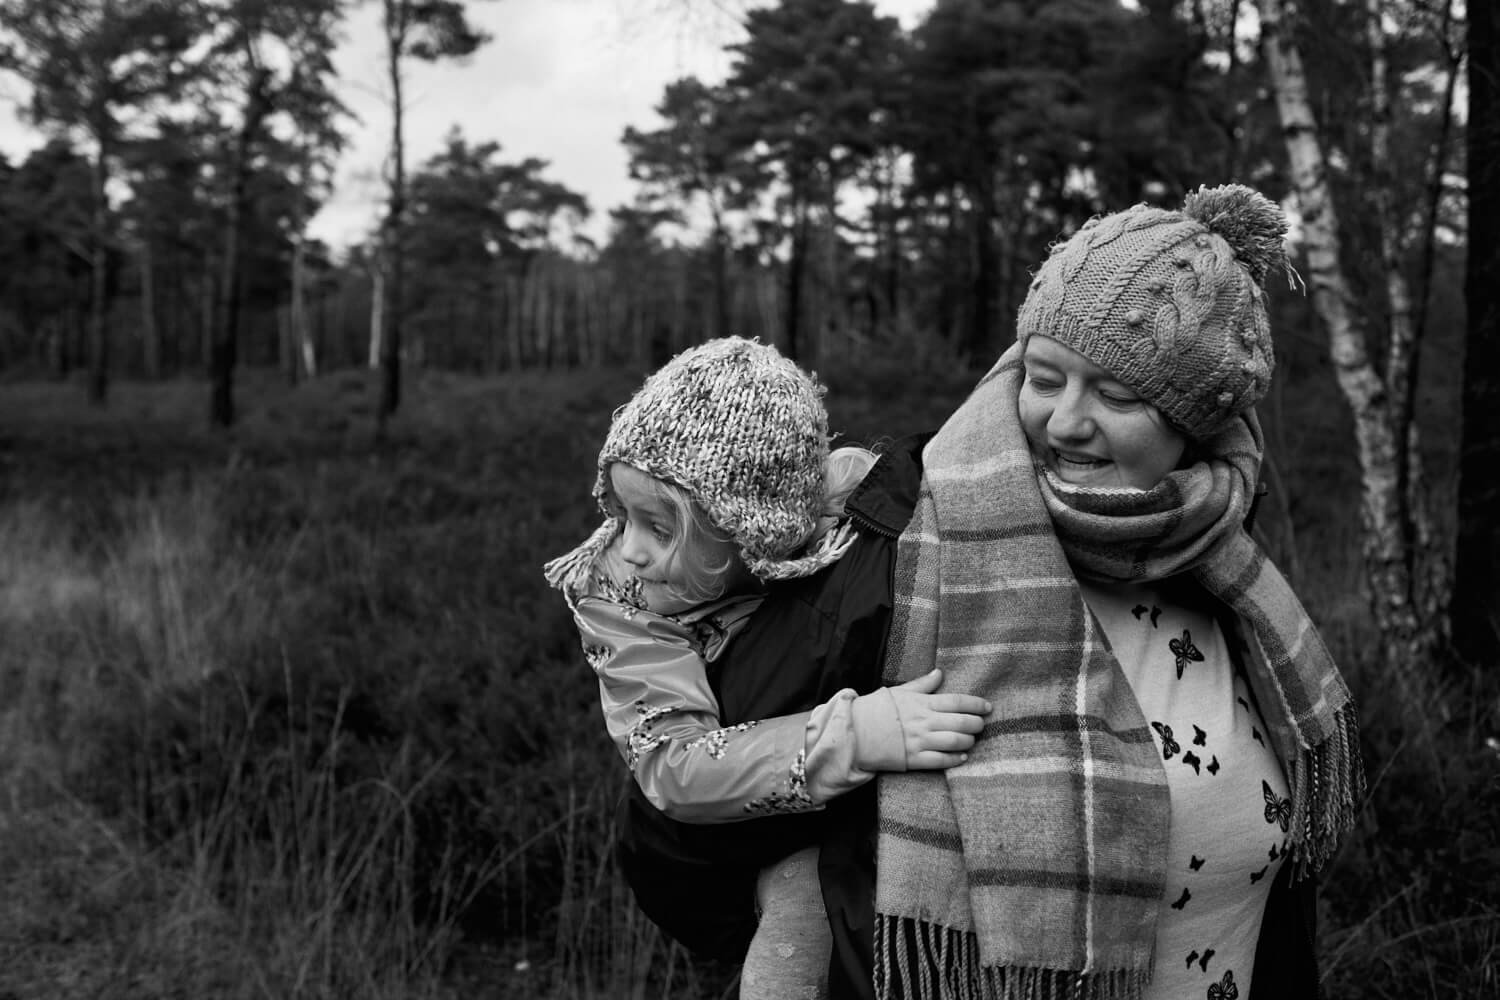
{"points": [[716, 481]]}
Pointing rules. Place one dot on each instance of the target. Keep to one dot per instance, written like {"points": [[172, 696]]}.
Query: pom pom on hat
{"points": [[1170, 303], [1252, 225]]}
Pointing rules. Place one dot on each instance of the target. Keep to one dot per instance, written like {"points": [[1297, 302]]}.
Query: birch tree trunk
{"points": [[1427, 562], [377, 313], [1379, 442], [301, 335]]}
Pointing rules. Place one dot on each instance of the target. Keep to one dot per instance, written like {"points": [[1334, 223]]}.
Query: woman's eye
{"points": [[1040, 384], [1119, 398], [661, 534]]}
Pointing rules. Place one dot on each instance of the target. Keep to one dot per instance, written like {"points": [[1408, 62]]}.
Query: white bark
{"points": [[1426, 562], [301, 335], [377, 314], [1377, 439]]}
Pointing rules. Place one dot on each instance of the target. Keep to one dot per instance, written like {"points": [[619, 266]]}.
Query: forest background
{"points": [[285, 708]]}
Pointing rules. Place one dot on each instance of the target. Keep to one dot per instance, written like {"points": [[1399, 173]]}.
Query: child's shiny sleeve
{"points": [[664, 719]]}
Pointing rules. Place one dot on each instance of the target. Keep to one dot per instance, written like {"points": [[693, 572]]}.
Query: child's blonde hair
{"points": [[693, 530]]}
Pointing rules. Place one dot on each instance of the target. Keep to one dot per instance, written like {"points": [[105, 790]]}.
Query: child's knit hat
{"points": [[1170, 303], [743, 430]]}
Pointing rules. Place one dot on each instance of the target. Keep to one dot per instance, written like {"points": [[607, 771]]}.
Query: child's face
{"points": [[650, 539], [1088, 427]]}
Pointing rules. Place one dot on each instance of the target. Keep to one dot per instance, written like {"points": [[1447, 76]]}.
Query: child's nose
{"points": [[631, 548]]}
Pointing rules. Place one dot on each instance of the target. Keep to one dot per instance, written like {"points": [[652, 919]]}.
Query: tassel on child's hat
{"points": [[743, 430], [1170, 303]]}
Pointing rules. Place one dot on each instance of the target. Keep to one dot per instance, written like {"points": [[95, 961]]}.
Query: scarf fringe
{"points": [[1328, 788], [918, 960], [569, 572]]}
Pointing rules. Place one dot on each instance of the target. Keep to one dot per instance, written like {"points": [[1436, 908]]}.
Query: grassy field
{"points": [[288, 713]]}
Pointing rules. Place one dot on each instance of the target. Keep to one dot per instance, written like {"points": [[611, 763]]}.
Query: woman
{"points": [[1171, 738]]}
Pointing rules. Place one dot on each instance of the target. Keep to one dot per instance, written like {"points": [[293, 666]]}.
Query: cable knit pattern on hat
{"points": [[1170, 303], [744, 431]]}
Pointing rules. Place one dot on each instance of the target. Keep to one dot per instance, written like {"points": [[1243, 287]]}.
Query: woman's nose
{"points": [[1070, 420]]}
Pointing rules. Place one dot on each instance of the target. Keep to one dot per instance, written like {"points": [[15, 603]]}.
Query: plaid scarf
{"points": [[1036, 868]]}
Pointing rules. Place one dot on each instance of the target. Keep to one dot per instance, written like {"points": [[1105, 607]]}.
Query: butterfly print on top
{"points": [[1224, 989], [1185, 652], [1278, 809], [1169, 746]]}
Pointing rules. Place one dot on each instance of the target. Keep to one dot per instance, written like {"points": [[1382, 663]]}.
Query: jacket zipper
{"points": [[861, 521]]}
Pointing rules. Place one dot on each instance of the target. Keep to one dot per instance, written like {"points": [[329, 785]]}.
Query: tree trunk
{"points": [[1378, 442], [98, 342], [377, 313], [720, 265], [301, 336], [390, 348], [1476, 603], [796, 266], [205, 336], [226, 323], [1426, 558], [150, 330]]}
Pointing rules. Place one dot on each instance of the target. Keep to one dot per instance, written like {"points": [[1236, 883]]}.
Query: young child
{"points": [[715, 478]]}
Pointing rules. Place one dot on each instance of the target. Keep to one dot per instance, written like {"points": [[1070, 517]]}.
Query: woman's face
{"points": [[1087, 426]]}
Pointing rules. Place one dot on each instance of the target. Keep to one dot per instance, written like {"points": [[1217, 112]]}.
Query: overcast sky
{"points": [[559, 80]]}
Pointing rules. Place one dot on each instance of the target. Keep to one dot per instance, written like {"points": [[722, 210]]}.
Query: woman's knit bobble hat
{"points": [[1170, 303], [743, 430]]}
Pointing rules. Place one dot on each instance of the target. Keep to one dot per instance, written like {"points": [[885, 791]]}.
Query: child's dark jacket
{"points": [[811, 638]]}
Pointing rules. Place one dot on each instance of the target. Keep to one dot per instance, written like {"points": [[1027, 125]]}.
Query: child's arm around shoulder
{"points": [[664, 720]]}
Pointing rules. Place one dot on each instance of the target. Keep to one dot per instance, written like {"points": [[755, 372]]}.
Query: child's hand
{"points": [[938, 728], [912, 728]]}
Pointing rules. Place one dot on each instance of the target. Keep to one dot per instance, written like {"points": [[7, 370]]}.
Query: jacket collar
{"points": [[887, 495]]}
